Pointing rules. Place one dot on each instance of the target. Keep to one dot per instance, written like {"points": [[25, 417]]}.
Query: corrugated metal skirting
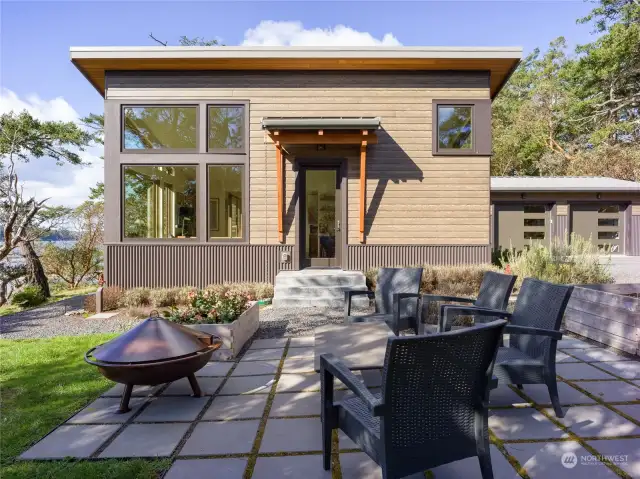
{"points": [[634, 247], [131, 265], [562, 227], [363, 257]]}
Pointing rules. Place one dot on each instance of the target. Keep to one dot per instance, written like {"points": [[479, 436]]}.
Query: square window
{"points": [[455, 131], [225, 201], [159, 201], [159, 128], [226, 128]]}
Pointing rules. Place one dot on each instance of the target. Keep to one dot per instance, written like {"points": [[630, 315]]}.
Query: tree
{"points": [[190, 42]]}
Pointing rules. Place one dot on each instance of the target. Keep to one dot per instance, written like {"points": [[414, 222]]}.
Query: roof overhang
{"points": [[562, 185], [321, 123], [93, 62]]}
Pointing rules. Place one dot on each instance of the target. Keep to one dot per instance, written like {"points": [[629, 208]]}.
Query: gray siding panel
{"points": [[634, 244], [131, 265], [363, 257], [562, 227]]}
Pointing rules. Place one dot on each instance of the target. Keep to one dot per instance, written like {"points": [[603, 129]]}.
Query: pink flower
{"points": [[507, 270], [191, 295]]}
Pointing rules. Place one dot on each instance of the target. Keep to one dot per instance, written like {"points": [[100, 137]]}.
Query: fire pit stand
{"points": [[155, 352]]}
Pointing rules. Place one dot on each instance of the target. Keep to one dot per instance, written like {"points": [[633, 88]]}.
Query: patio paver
{"points": [[254, 368], [629, 448], [573, 343], [295, 404], [547, 460], [470, 468], [623, 369], [138, 391], [357, 465], [248, 385], [236, 407], [593, 355], [597, 421], [181, 387], [291, 467], [70, 441], [289, 435], [228, 468], [272, 343], [503, 395], [632, 410], [105, 411], [298, 382], [262, 354], [302, 342], [567, 394], [522, 423], [580, 371], [146, 440], [611, 391], [229, 437], [215, 368], [173, 409], [298, 365]]}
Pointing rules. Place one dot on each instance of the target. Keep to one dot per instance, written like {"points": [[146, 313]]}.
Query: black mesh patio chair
{"points": [[432, 408], [396, 299], [494, 293], [534, 331]]}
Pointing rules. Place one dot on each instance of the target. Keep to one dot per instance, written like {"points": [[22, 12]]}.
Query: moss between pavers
{"points": [[495, 440]]}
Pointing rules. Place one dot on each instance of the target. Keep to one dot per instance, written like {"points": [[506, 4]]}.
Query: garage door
{"points": [[517, 225], [600, 222]]}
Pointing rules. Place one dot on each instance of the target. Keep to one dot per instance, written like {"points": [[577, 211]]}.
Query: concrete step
{"points": [[336, 292], [321, 278], [292, 302]]}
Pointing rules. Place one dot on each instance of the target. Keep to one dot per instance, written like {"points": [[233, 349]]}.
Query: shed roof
{"points": [[93, 62], [319, 123], [561, 183]]}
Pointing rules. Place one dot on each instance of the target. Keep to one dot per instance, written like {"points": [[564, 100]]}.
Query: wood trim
{"points": [[328, 138], [279, 168], [363, 186]]}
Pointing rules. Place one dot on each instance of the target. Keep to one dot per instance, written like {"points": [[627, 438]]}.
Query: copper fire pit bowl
{"points": [[155, 352]]}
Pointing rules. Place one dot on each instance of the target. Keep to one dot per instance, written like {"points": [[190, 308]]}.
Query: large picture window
{"points": [[159, 201], [160, 128], [226, 206], [226, 128]]}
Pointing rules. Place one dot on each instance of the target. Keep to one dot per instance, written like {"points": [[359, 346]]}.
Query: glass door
{"points": [[321, 217]]}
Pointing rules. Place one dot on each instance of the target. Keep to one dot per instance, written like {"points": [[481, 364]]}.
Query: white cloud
{"points": [[273, 34], [67, 185]]}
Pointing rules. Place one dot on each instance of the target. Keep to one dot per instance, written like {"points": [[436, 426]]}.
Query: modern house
{"points": [[236, 163]]}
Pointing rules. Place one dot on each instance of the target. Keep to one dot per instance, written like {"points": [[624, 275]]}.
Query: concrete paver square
{"points": [[228, 468], [173, 409], [248, 385], [597, 421], [301, 352], [565, 358], [470, 468], [623, 369], [624, 453], [295, 404], [573, 343], [372, 378], [302, 342], [146, 440], [288, 435], [236, 407], [357, 465], [546, 460], [298, 382], [105, 411], [567, 394], [215, 368], [290, 467], [632, 410], [253, 368], [263, 354], [230, 437], [611, 391], [522, 423], [138, 391], [181, 387], [580, 371], [271, 343], [503, 395], [593, 355], [300, 364], [70, 441]]}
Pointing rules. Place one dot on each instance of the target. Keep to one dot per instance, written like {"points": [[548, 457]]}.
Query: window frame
{"points": [[245, 132], [480, 127], [245, 205], [155, 151], [125, 239]]}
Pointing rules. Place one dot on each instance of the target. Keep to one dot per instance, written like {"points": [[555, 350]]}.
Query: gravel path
{"points": [[49, 320]]}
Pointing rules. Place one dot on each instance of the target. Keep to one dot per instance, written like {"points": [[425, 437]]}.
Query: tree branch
{"points": [[164, 44]]}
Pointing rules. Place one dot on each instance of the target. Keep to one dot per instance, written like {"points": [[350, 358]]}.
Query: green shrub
{"points": [[578, 262], [209, 307], [111, 296], [263, 290], [28, 296], [183, 295], [159, 298], [135, 297]]}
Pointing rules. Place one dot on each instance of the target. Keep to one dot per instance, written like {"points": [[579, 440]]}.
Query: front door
{"points": [[321, 213]]}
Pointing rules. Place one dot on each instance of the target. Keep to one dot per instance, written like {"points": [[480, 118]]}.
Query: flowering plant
{"points": [[209, 306]]}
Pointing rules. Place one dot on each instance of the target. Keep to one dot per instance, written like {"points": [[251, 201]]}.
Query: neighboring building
{"points": [[234, 163], [606, 210]]}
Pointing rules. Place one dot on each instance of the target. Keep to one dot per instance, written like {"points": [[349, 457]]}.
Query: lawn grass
{"points": [[42, 383], [56, 295]]}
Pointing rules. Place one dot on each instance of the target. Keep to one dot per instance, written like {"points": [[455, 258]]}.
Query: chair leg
{"points": [[519, 386], [552, 385], [326, 444], [485, 465]]}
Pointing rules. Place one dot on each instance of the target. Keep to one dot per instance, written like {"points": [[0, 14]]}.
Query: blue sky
{"points": [[35, 38]]}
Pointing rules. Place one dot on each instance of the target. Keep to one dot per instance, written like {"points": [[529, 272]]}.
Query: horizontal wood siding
{"points": [[413, 198], [608, 318], [363, 257], [130, 266]]}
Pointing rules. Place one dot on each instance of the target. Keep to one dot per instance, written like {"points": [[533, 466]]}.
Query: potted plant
{"points": [[232, 316]]}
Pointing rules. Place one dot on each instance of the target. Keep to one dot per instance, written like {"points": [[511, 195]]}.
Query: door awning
{"points": [[321, 123]]}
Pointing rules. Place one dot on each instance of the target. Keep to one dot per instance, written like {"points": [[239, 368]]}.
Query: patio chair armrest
{"points": [[451, 311], [350, 293], [397, 299], [439, 297], [329, 363], [513, 329]]}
